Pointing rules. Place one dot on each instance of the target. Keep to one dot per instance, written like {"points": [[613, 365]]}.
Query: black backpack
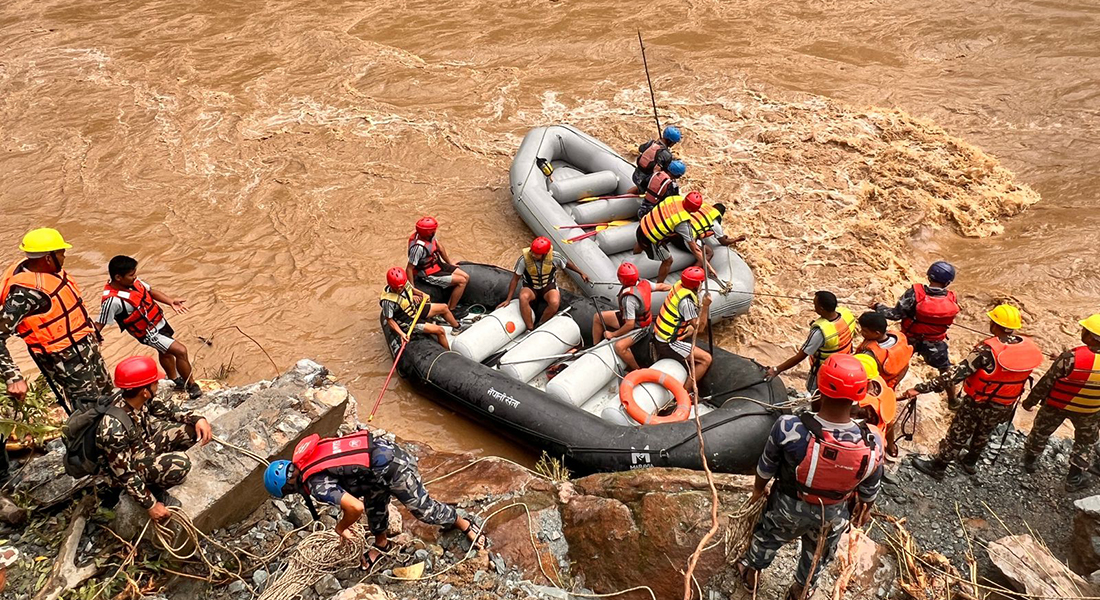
{"points": [[82, 455]]}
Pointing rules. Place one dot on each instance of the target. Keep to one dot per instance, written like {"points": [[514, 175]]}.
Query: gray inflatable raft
{"points": [[585, 167]]}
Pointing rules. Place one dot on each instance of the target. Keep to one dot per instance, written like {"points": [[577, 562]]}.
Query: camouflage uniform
{"points": [[974, 421], [1086, 426], [934, 353], [151, 454], [78, 371], [393, 474]]}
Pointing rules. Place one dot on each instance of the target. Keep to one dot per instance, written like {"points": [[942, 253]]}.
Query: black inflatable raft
{"points": [[734, 426]]}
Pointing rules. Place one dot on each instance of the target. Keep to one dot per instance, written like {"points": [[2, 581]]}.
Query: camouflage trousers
{"points": [[970, 429], [787, 518], [78, 372], [164, 463], [1086, 430], [934, 353], [402, 481]]}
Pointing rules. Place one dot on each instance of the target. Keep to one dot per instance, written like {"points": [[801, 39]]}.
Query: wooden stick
{"points": [[65, 575]]}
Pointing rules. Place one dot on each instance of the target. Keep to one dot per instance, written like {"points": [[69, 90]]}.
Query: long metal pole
{"points": [[652, 96]]}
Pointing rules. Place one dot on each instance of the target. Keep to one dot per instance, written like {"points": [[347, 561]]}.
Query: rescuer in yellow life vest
{"points": [[538, 267], [678, 319], [400, 304], [670, 218], [831, 333], [1070, 389]]}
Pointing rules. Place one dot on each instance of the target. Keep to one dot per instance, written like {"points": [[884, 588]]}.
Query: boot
{"points": [[1077, 479], [1031, 463], [933, 467], [970, 462]]}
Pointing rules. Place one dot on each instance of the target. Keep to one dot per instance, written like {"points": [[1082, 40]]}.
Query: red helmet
{"points": [[426, 227], [843, 377], [692, 277], [541, 245], [628, 274], [693, 202], [396, 278], [136, 372]]}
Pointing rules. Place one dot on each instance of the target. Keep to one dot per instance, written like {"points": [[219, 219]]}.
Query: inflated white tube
{"points": [[491, 333], [602, 211], [600, 183], [617, 239], [651, 396], [586, 376], [555, 336]]}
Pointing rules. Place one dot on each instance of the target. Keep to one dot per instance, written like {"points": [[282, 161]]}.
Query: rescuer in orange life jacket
{"points": [[828, 470], [652, 155], [662, 184], [635, 314], [538, 267], [428, 257], [994, 373], [132, 304], [1070, 389], [360, 473]]}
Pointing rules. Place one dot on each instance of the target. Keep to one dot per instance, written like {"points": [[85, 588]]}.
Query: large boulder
{"points": [[1085, 557], [1030, 568]]}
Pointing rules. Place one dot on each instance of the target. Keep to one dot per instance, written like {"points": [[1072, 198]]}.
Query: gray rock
{"points": [[236, 587], [279, 504], [327, 586], [299, 516], [445, 589], [498, 564], [479, 575], [259, 578], [555, 535]]}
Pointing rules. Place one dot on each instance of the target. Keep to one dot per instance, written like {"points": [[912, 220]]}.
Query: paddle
{"points": [[397, 358], [615, 197], [586, 225]]}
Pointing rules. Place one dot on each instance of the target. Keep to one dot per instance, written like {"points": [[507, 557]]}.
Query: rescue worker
{"points": [[926, 313], [400, 304], [654, 154], [538, 266], [42, 304], [360, 473], [994, 374], [657, 228], [879, 408], [706, 223], [831, 333], [132, 304], [820, 461], [678, 319], [1070, 389], [890, 349], [634, 314], [428, 257], [662, 185], [143, 443]]}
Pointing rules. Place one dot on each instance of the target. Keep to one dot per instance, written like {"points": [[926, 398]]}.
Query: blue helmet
{"points": [[671, 135], [941, 272], [276, 476], [677, 168]]}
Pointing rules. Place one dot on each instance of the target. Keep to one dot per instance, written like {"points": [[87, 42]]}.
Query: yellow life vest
{"points": [[838, 334], [660, 222], [703, 219], [539, 274], [670, 323], [404, 300]]}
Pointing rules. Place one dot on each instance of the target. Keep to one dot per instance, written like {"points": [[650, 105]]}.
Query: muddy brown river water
{"points": [[266, 159]]}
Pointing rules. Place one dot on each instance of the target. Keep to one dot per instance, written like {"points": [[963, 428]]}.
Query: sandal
{"points": [[383, 551], [477, 542], [750, 577]]}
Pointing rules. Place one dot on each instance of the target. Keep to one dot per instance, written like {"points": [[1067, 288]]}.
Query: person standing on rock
{"points": [[42, 304], [831, 333], [361, 473], [132, 304], [821, 461], [538, 267], [1070, 389], [142, 437], [926, 313], [428, 256], [994, 374], [653, 155]]}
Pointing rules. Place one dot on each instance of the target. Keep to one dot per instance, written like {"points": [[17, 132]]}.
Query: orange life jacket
{"points": [[934, 315], [1013, 365], [64, 324], [893, 362], [1079, 391], [660, 187], [147, 313], [643, 291], [431, 264], [882, 400], [313, 454], [648, 158]]}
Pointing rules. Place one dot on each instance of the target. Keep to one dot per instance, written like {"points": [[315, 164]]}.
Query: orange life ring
{"points": [[626, 396]]}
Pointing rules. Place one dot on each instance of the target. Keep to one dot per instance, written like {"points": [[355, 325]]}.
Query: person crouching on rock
{"points": [[142, 437], [823, 461], [401, 307], [360, 473]]}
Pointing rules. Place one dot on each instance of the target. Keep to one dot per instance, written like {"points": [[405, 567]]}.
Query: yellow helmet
{"points": [[43, 240], [1092, 324], [869, 365], [1006, 316]]}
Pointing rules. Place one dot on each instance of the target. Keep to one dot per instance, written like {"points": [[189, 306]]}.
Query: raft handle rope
{"points": [[397, 358]]}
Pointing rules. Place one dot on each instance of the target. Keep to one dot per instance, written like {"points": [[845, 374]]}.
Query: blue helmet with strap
{"points": [[276, 477], [677, 168], [941, 272], [671, 134]]}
